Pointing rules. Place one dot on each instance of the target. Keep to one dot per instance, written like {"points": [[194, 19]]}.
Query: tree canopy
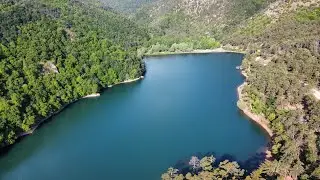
{"points": [[53, 52]]}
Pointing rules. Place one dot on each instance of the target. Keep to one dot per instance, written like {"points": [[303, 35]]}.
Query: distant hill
{"points": [[201, 16]]}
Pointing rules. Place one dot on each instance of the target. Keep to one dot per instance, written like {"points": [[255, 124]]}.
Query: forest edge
{"points": [[66, 105]]}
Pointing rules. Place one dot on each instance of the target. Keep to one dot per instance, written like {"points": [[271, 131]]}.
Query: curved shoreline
{"points": [[260, 120], [257, 119], [66, 105]]}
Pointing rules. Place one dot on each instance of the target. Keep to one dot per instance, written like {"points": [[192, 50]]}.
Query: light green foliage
{"points": [[169, 44], [156, 48], [181, 47], [316, 173], [225, 170], [229, 170], [206, 163], [305, 15]]}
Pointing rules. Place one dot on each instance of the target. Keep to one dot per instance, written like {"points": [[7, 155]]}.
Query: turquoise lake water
{"points": [[185, 106]]}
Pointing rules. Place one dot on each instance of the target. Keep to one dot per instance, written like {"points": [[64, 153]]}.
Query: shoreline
{"points": [[196, 51], [127, 81], [257, 119], [37, 125], [91, 95], [260, 120]]}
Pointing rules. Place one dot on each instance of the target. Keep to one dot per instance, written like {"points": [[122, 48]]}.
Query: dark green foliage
{"points": [[52, 53], [283, 65], [167, 44]]}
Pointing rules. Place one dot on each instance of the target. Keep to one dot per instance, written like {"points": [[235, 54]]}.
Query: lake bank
{"points": [[260, 120], [196, 51], [94, 95]]}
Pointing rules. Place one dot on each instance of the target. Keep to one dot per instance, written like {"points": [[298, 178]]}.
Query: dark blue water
{"points": [[185, 106]]}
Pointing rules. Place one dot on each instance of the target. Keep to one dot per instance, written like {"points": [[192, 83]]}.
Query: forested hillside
{"points": [[184, 25], [53, 52], [282, 66]]}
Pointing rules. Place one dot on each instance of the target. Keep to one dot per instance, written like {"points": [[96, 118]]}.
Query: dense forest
{"points": [[54, 52], [185, 25], [282, 66]]}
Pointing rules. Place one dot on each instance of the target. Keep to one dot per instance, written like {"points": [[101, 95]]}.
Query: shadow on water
{"points": [[248, 165], [20, 157], [124, 87], [5, 150], [257, 126], [31, 149]]}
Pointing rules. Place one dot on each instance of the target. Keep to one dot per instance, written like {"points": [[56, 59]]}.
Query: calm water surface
{"points": [[186, 105]]}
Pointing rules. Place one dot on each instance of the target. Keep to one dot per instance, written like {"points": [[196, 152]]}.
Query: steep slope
{"points": [[184, 25], [53, 52]]}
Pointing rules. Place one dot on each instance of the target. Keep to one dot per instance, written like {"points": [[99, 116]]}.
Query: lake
{"points": [[185, 106]]}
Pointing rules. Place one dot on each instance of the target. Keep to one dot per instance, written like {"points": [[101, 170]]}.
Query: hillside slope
{"points": [[282, 64], [184, 25], [53, 52], [199, 15]]}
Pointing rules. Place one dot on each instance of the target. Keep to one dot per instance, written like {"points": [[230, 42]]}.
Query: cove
{"points": [[185, 105]]}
